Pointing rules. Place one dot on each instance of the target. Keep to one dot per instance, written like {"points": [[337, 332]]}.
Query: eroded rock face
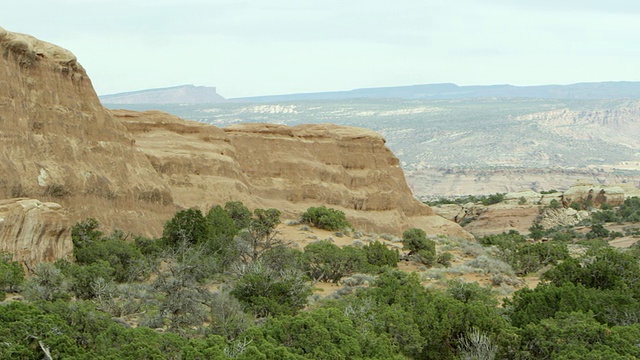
{"points": [[132, 171], [34, 231], [59, 143], [289, 168], [503, 217], [595, 195]]}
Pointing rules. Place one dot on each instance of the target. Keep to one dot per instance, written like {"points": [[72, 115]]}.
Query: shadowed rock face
{"points": [[132, 171]]}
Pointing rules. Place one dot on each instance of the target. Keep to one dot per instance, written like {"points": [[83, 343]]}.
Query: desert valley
{"points": [[426, 222]]}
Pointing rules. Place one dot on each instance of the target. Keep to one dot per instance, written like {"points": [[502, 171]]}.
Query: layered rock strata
{"points": [[132, 171]]}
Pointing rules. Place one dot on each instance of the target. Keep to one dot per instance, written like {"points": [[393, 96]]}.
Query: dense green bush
{"points": [[91, 246], [267, 292], [11, 274], [325, 218], [576, 335], [445, 259], [239, 213], [525, 257], [600, 267], [630, 210], [597, 231], [554, 204], [604, 216], [493, 199], [187, 226], [378, 255], [325, 261], [483, 199], [420, 248]]}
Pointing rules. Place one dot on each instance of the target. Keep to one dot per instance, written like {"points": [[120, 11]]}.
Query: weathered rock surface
{"points": [[132, 171], [502, 217], [60, 144], [34, 231], [289, 168], [562, 217], [596, 195]]}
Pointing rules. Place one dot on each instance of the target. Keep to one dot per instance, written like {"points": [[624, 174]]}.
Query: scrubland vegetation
{"points": [[226, 285]]}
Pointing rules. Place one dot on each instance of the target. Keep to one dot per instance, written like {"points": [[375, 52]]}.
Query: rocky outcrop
{"points": [[503, 217], [34, 231], [289, 168], [594, 195], [59, 143], [343, 167], [550, 218], [132, 171]]}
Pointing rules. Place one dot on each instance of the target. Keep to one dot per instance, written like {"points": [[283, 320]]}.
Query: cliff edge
{"points": [[132, 171]]}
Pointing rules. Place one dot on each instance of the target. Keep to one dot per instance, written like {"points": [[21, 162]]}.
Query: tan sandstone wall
{"points": [[132, 171]]}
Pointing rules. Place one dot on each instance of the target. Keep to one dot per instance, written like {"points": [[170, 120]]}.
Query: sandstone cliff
{"points": [[289, 168], [34, 231], [59, 143], [134, 170]]}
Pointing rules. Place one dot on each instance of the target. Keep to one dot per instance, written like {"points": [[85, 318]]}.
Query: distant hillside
{"points": [[600, 90], [184, 94]]}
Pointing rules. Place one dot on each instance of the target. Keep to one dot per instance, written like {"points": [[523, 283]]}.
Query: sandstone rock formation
{"points": [[132, 171], [551, 218], [503, 217], [34, 231], [289, 168], [595, 195], [59, 143]]}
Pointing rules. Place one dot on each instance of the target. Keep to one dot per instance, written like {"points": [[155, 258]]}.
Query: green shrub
{"points": [[186, 227], [576, 206], [629, 210], [90, 247], [597, 231], [606, 206], [420, 248], [546, 192], [325, 218], [604, 216], [325, 261], [271, 293], [11, 273], [239, 213], [379, 255], [445, 259], [414, 239], [493, 199], [522, 256]]}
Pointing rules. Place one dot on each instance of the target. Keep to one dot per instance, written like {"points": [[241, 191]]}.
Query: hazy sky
{"points": [[264, 47]]}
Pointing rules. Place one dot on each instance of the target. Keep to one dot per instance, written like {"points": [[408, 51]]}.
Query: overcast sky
{"points": [[266, 47]]}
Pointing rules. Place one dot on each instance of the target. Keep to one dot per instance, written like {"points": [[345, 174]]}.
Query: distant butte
{"points": [[183, 94]]}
